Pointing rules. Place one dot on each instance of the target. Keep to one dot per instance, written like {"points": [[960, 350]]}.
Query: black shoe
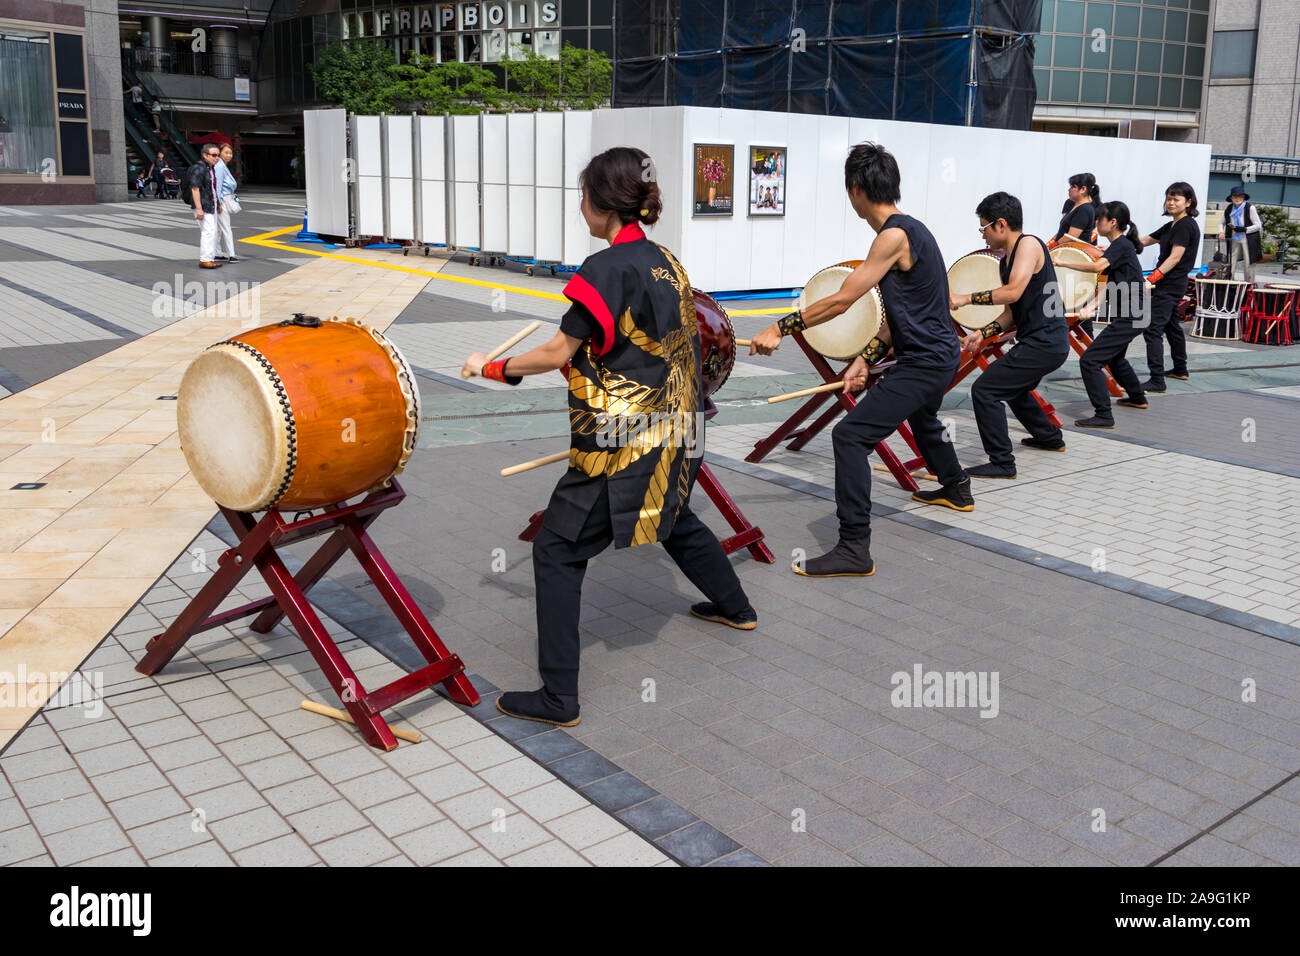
{"points": [[1042, 445], [1182, 376], [956, 496], [541, 706], [222, 258], [1096, 421], [991, 470], [745, 620], [847, 559], [1150, 385], [1132, 401], [229, 258]]}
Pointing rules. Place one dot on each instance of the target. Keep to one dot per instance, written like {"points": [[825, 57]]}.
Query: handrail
{"points": [[168, 117]]}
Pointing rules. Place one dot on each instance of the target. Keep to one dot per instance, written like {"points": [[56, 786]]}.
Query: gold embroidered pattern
{"points": [[674, 280]]}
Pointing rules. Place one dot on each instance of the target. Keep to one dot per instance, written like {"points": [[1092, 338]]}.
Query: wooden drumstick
{"points": [[508, 344], [535, 463], [746, 343], [410, 736], [815, 390]]}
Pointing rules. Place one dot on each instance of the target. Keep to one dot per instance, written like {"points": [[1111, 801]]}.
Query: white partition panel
{"points": [[325, 146], [401, 185], [432, 173], [549, 132], [495, 147], [369, 210], [548, 198], [495, 196], [578, 243], [549, 224], [521, 239], [521, 160], [496, 225], [465, 172]]}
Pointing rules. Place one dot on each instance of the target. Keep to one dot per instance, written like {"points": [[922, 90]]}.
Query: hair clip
{"points": [[645, 212]]}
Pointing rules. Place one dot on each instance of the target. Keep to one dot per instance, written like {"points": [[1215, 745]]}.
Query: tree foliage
{"points": [[1283, 231], [364, 77], [359, 77]]}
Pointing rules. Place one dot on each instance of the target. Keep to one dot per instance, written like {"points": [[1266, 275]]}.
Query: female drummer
{"points": [[1080, 213], [1179, 242], [632, 344], [1126, 306]]}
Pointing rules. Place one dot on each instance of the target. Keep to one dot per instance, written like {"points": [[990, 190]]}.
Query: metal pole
{"points": [[417, 172], [354, 187], [449, 177], [383, 169], [972, 83]]}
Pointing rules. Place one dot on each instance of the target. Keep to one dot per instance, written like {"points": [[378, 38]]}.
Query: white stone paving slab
{"points": [[63, 247]]}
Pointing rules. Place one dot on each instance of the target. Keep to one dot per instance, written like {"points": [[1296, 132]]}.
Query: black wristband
{"points": [[791, 323], [992, 330], [982, 298], [875, 351]]}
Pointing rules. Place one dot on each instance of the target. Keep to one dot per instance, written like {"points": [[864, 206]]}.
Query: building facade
{"points": [[61, 136]]}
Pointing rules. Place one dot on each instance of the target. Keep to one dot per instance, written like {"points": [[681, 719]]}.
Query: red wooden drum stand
{"points": [[790, 428], [258, 540]]}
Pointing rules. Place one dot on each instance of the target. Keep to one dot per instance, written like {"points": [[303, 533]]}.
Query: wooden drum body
{"points": [[975, 272], [1077, 288], [717, 341], [297, 415], [844, 337], [1219, 303]]}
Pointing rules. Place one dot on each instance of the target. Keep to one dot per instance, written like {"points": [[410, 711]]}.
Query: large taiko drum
{"points": [[717, 341], [297, 415], [1077, 288], [976, 272], [844, 337]]}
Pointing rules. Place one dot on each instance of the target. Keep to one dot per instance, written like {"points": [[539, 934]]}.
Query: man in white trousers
{"points": [[201, 182], [226, 187]]}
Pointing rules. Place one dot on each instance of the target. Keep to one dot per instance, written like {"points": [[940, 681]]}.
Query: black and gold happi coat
{"points": [[643, 359]]}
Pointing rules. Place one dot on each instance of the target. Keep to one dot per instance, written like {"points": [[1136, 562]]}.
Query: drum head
{"points": [[1077, 288], [844, 337], [233, 429], [976, 272], [717, 341]]}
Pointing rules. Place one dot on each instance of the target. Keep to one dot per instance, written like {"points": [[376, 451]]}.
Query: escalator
{"points": [[140, 131]]}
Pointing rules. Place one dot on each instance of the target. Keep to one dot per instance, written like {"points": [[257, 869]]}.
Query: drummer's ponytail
{"points": [[1119, 212], [623, 181]]}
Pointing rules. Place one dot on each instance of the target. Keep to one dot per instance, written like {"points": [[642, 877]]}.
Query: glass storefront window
{"points": [[1099, 17], [1153, 24], [1093, 89], [1171, 92], [1126, 21], [1173, 58], [1194, 65], [1196, 26], [1149, 58], [1069, 16], [1176, 26], [1191, 94], [27, 140], [1068, 51], [1146, 90], [547, 43], [1065, 86]]}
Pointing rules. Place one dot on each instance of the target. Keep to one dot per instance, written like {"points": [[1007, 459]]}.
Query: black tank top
{"points": [[1039, 314], [916, 301]]}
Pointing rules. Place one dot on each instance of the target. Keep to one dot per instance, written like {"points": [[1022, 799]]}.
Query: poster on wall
{"points": [[713, 179], [767, 180]]}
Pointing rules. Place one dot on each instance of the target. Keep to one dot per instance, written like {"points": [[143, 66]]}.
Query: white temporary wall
{"points": [[512, 183], [325, 136]]}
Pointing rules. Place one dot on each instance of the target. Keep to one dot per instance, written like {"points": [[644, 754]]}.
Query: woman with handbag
{"points": [[226, 187]]}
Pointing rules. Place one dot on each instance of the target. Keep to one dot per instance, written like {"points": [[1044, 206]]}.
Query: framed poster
{"points": [[714, 176], [767, 180]]}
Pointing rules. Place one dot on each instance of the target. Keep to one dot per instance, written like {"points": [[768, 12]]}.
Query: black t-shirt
{"points": [[579, 323], [1085, 217], [1124, 285], [916, 301], [1039, 313], [1186, 233]]}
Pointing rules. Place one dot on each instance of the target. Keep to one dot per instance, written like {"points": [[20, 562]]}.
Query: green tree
{"points": [[1281, 229], [427, 86], [359, 77], [579, 80]]}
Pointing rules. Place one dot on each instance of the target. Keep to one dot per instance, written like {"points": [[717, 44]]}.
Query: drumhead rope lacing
{"points": [[291, 429]]}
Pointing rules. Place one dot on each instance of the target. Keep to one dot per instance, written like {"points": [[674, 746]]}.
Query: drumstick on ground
{"points": [[508, 344], [815, 390], [535, 463], [410, 736]]}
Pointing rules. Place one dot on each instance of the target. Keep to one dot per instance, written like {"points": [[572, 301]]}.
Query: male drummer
{"points": [[1034, 309], [905, 261]]}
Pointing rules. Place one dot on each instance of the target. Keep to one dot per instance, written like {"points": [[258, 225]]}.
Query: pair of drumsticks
{"points": [[563, 455]]}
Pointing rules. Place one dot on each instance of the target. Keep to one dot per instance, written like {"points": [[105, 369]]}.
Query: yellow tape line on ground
{"points": [[265, 239]]}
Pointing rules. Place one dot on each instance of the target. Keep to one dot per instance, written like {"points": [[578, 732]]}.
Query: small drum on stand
{"points": [[297, 415], [844, 337], [1077, 288], [717, 343], [1219, 303], [1270, 315], [975, 272]]}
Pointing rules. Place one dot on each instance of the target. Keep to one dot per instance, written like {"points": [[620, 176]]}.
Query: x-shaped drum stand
{"points": [[258, 541]]}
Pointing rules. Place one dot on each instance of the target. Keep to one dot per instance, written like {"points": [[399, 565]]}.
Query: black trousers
{"points": [[560, 565], [1010, 379], [1107, 351], [1165, 325], [911, 393]]}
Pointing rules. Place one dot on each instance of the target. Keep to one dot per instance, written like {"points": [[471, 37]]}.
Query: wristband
{"points": [[791, 323], [1051, 244], [497, 372], [982, 298], [992, 330], [1155, 276], [875, 351]]}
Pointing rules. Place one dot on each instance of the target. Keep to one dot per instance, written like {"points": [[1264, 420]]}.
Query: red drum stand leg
{"points": [[258, 541], [1079, 341]]}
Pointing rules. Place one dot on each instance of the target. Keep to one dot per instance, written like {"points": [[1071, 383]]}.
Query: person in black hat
{"points": [[1244, 231]]}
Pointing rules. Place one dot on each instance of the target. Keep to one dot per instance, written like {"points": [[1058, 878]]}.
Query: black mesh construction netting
{"points": [[932, 61]]}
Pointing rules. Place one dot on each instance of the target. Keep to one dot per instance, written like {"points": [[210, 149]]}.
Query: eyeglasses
{"points": [[986, 226]]}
